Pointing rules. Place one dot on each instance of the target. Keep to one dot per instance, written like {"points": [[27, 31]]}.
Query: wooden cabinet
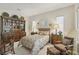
{"points": [[7, 26], [10, 24], [55, 39]]}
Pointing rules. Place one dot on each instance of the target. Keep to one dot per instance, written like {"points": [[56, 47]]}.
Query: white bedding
{"points": [[34, 42]]}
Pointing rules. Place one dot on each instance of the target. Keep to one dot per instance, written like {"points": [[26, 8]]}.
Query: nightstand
{"points": [[56, 39]]}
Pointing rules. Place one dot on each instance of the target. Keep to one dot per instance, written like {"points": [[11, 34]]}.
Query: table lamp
{"points": [[56, 26]]}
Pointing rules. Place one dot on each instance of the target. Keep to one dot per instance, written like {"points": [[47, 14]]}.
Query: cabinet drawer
{"points": [[56, 39]]}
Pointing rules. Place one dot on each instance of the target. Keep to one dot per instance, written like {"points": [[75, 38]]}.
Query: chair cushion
{"points": [[66, 42]]}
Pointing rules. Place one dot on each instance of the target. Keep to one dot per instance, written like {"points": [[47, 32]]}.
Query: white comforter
{"points": [[34, 42]]}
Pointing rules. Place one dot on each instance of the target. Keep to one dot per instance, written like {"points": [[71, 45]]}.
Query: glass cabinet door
{"points": [[6, 25], [22, 25]]}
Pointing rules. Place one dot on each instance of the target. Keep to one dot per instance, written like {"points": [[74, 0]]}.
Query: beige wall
{"points": [[67, 12]]}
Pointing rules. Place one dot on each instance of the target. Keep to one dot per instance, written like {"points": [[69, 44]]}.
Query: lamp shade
{"points": [[56, 26], [51, 26]]}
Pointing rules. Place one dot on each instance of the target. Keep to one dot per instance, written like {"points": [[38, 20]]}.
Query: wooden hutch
{"points": [[7, 26]]}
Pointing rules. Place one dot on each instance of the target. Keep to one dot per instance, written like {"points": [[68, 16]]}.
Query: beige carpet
{"points": [[23, 51]]}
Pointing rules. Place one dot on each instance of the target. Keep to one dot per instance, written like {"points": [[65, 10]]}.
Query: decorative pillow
{"points": [[44, 33]]}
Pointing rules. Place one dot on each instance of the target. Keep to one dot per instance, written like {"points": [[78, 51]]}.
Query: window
{"points": [[60, 22]]}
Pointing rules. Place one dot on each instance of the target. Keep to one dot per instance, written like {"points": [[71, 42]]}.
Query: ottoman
{"points": [[61, 48], [52, 51]]}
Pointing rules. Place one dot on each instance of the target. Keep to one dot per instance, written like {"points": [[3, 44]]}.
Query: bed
{"points": [[37, 41]]}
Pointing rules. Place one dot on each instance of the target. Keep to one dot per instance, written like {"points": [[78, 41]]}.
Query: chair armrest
{"points": [[68, 47]]}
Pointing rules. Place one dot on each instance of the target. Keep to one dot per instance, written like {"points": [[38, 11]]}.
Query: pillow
{"points": [[43, 33]]}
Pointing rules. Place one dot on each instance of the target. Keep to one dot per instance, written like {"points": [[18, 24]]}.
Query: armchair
{"points": [[68, 42]]}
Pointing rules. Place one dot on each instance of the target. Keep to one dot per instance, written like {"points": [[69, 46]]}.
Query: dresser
{"points": [[55, 39]]}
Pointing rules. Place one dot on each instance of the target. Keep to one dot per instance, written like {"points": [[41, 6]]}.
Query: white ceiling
{"points": [[30, 9]]}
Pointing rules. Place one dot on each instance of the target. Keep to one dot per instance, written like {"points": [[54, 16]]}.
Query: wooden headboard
{"points": [[44, 29]]}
